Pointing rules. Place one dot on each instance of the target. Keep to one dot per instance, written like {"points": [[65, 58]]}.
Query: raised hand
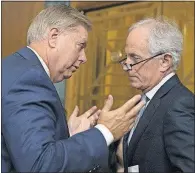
{"points": [[77, 124], [121, 120]]}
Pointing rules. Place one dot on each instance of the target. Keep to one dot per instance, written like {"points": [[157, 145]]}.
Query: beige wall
{"points": [[16, 17]]}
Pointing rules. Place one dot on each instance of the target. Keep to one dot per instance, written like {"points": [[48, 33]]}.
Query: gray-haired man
{"points": [[162, 139]]}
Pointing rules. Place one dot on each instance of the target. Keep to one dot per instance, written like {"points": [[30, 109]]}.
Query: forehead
{"points": [[78, 33], [137, 39]]}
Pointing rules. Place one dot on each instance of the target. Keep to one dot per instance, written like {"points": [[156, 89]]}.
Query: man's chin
{"points": [[67, 76], [134, 85]]}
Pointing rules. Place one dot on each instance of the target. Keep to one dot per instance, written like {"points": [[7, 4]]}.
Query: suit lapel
{"points": [[148, 114]]}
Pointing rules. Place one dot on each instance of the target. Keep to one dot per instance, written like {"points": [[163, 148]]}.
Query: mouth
{"points": [[132, 77], [77, 67], [74, 68]]}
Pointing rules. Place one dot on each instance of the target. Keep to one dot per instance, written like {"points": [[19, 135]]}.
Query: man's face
{"points": [[146, 75], [67, 52]]}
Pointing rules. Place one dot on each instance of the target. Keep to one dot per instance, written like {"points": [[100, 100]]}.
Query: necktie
{"points": [[121, 152], [146, 99]]}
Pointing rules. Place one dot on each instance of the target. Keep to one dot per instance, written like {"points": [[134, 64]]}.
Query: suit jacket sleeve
{"points": [[28, 126], [112, 159], [179, 134]]}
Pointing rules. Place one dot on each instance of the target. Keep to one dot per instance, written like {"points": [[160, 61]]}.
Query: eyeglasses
{"points": [[128, 67]]}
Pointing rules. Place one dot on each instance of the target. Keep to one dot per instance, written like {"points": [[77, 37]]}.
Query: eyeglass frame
{"points": [[129, 66]]}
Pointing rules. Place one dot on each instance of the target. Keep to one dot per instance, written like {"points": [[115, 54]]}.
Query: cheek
{"points": [[145, 76], [142, 77], [149, 77], [64, 52], [71, 57]]}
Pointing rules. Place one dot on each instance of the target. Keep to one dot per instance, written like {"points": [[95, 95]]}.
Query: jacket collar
{"points": [[29, 55]]}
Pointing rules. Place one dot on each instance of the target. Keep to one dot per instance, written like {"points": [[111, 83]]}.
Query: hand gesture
{"points": [[77, 124], [121, 120]]}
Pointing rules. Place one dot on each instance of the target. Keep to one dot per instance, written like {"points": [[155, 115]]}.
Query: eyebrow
{"points": [[131, 55], [134, 54]]}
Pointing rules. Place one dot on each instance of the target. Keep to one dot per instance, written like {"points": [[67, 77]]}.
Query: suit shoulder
{"points": [[14, 67], [183, 91], [14, 62], [180, 98]]}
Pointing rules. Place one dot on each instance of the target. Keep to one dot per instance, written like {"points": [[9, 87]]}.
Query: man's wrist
{"points": [[106, 133]]}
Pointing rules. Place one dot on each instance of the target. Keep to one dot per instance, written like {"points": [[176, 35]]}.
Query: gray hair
{"points": [[165, 37], [57, 16]]}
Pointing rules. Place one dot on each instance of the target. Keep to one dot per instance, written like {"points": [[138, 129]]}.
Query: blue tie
{"points": [[146, 99]]}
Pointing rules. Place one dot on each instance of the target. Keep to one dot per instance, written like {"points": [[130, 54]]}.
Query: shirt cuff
{"points": [[106, 133]]}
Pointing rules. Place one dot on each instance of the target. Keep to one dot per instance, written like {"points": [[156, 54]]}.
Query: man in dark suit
{"points": [[35, 135], [162, 139]]}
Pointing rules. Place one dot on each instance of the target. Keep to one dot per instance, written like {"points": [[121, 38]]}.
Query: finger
{"points": [[135, 110], [84, 125], [131, 126], [92, 120], [75, 112], [92, 124], [108, 104], [130, 103], [132, 121], [90, 112], [96, 114]]}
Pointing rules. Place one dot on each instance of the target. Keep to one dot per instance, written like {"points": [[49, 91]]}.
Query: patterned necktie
{"points": [[146, 99]]}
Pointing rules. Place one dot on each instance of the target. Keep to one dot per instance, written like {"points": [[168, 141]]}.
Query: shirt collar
{"points": [[150, 94], [42, 62]]}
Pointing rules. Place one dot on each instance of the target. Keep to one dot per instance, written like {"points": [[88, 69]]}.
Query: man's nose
{"points": [[83, 58], [128, 61], [127, 65]]}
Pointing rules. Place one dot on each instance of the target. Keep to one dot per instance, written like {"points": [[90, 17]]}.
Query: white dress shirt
{"points": [[103, 129]]}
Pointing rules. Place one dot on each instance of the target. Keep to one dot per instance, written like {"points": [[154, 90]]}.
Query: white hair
{"points": [[165, 37], [57, 16]]}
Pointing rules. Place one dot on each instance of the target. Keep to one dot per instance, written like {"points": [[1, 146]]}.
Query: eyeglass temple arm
{"points": [[122, 60], [146, 59]]}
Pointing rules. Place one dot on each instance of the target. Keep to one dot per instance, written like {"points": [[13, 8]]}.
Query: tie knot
{"points": [[145, 98]]}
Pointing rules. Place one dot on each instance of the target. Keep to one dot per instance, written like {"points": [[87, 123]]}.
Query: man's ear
{"points": [[52, 37], [166, 62]]}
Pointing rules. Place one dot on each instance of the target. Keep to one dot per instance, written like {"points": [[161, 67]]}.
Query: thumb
{"points": [[108, 104], [75, 112]]}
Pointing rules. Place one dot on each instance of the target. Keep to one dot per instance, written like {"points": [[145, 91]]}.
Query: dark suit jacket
{"points": [[163, 141], [35, 136]]}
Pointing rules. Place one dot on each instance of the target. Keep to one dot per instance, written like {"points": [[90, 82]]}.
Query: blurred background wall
{"points": [[16, 18], [101, 76]]}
